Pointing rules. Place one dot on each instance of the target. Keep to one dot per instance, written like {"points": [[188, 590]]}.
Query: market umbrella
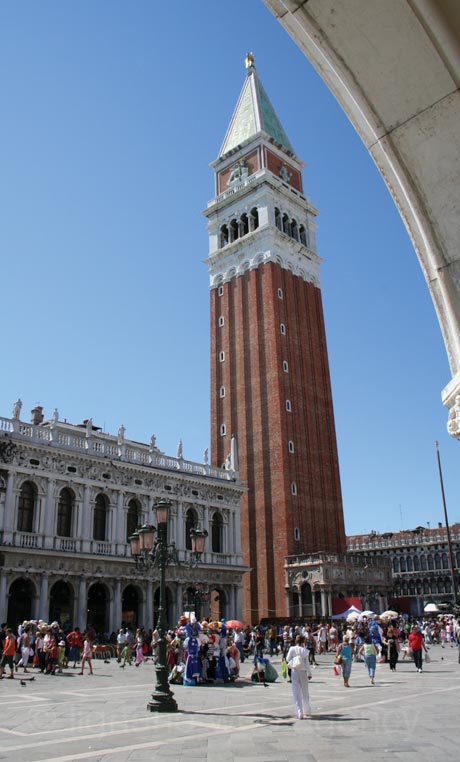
{"points": [[353, 617], [431, 608], [234, 623], [367, 614], [389, 615]]}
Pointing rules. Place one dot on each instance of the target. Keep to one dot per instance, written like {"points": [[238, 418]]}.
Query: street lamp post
{"points": [[151, 553]]}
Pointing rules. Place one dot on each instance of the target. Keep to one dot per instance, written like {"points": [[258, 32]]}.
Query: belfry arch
{"points": [[404, 102]]}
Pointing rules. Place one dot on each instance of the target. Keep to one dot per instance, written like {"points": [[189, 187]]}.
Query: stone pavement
{"points": [[405, 716]]}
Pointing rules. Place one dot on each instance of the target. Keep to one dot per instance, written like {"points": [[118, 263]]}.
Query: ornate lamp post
{"points": [[149, 553]]}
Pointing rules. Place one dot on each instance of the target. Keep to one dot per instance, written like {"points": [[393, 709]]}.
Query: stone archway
{"points": [[21, 598], [404, 102], [130, 604], [98, 607], [61, 603]]}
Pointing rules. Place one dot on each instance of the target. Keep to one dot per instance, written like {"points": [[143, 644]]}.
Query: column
{"points": [[180, 529], [9, 509], [48, 518], [313, 600], [323, 603], [82, 610], [148, 621], [119, 523], [206, 527], [329, 602], [44, 602], [115, 618], [237, 532], [86, 523], [239, 602], [3, 598]]}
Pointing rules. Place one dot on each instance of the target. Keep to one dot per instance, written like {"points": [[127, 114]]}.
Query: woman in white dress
{"points": [[300, 677]]}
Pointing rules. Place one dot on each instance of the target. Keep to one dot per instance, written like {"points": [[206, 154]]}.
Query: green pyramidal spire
{"points": [[253, 114]]}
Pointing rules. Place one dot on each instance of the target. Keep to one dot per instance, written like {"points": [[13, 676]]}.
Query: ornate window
{"points": [[26, 507], [223, 429], [277, 218], [222, 392], [133, 518], [223, 236], [65, 512], [303, 235], [100, 518], [221, 321], [217, 533]]}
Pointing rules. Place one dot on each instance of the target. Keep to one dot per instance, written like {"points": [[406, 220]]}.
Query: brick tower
{"points": [[270, 385]]}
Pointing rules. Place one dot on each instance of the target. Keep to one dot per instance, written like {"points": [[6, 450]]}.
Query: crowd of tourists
{"points": [[199, 653]]}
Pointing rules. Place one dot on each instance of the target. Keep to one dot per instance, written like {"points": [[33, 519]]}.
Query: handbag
{"points": [[338, 659]]}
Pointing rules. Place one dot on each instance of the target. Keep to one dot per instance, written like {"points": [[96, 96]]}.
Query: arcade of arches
{"points": [[108, 604]]}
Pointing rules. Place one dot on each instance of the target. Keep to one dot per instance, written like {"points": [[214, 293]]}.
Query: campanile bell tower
{"points": [[270, 385]]}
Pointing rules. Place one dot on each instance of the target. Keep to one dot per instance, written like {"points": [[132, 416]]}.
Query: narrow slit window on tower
{"points": [[288, 406], [285, 366], [280, 293], [221, 356], [220, 291], [293, 488], [221, 321], [223, 429], [283, 329], [222, 392], [297, 534], [291, 446]]}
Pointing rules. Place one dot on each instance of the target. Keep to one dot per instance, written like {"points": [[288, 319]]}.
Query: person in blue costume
{"points": [[193, 665], [222, 669]]}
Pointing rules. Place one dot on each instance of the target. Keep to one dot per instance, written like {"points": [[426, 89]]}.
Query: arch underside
{"points": [[394, 67]]}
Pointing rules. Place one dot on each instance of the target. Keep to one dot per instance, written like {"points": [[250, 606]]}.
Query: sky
{"points": [[111, 113]]}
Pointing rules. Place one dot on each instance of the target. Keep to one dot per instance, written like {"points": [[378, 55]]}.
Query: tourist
{"points": [[74, 639], [345, 654], [121, 642], [417, 646], [87, 654], [392, 643], [139, 647], [300, 677], [238, 639], [369, 652], [9, 649], [24, 646]]}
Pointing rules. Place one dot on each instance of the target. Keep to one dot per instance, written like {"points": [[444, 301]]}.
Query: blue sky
{"points": [[111, 113]]}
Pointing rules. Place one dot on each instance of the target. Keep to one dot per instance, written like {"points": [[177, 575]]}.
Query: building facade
{"points": [[325, 584], [270, 384], [71, 495], [419, 560]]}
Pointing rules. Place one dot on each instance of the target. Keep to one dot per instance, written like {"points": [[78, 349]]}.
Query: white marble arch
{"points": [[404, 101]]}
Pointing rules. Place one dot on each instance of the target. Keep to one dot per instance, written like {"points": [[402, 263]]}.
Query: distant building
{"points": [[327, 584], [419, 561], [71, 495]]}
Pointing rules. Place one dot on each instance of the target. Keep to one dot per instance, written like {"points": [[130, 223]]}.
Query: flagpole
{"points": [[449, 544]]}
